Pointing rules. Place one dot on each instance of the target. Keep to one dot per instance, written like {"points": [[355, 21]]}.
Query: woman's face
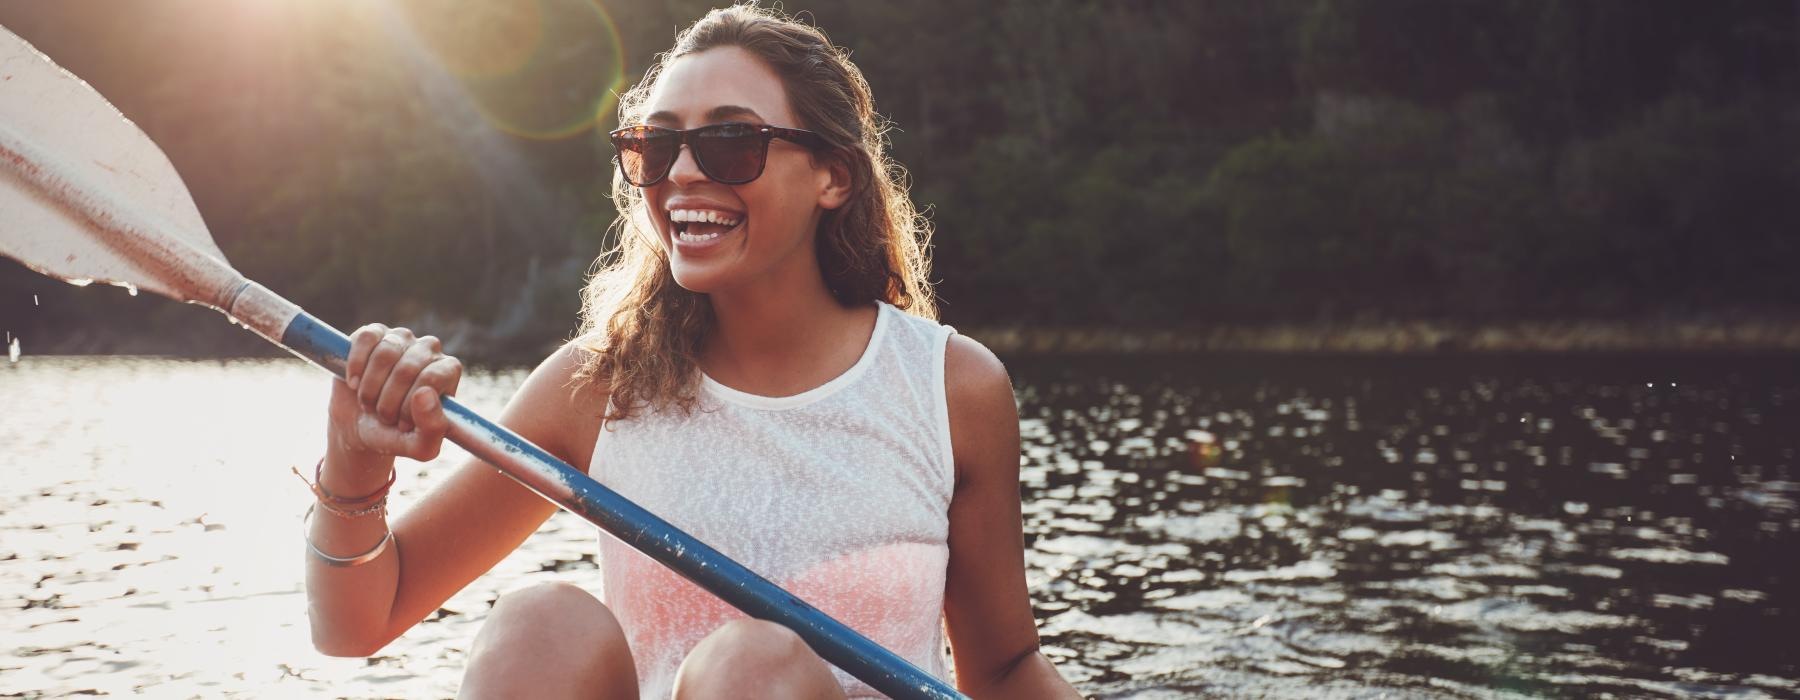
{"points": [[768, 224]]}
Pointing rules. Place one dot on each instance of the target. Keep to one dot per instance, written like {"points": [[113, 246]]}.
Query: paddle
{"points": [[85, 196]]}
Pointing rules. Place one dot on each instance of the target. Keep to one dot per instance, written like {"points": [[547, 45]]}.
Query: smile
{"points": [[699, 227]]}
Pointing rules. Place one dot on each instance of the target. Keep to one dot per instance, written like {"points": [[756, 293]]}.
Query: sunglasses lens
{"points": [[645, 154], [731, 153]]}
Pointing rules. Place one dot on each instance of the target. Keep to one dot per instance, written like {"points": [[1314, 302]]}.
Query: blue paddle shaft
{"points": [[575, 492]]}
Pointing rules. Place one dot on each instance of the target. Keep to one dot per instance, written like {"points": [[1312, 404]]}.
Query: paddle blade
{"points": [[86, 196]]}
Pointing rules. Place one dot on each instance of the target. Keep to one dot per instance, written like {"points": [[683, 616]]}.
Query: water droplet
{"points": [[12, 350], [80, 281], [34, 301]]}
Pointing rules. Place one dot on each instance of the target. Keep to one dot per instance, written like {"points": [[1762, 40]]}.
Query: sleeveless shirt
{"points": [[839, 494]]}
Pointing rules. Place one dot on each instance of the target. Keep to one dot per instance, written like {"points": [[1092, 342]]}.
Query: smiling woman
{"points": [[870, 240], [760, 365]]}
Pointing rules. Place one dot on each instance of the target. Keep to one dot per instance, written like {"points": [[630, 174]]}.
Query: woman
{"points": [[758, 366]]}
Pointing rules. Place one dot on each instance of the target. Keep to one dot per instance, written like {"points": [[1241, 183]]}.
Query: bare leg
{"points": [[754, 659], [552, 640]]}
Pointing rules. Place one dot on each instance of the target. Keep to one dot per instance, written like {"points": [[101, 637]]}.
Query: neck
{"points": [[752, 328], [786, 334]]}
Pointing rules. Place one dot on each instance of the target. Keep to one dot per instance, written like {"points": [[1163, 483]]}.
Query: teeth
{"points": [[702, 216], [692, 238]]}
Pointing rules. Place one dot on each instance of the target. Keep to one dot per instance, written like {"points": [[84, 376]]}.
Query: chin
{"points": [[694, 278]]}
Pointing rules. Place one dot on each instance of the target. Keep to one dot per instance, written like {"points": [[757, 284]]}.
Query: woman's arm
{"points": [[993, 636], [451, 536]]}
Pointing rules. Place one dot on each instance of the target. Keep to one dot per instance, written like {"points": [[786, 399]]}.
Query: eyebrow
{"points": [[716, 114]]}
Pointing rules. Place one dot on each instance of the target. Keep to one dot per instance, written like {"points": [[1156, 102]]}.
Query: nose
{"points": [[685, 171]]}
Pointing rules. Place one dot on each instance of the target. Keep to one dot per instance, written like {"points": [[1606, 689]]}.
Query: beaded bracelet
{"points": [[340, 562], [348, 507]]}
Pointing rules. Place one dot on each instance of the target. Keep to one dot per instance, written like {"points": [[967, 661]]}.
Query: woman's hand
{"points": [[389, 403]]}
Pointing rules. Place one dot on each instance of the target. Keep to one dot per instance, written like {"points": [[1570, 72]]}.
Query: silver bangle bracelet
{"points": [[329, 560]]}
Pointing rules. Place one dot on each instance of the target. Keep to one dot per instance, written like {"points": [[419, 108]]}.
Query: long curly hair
{"points": [[642, 331]]}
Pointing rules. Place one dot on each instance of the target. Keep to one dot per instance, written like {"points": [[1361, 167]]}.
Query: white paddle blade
{"points": [[86, 196]]}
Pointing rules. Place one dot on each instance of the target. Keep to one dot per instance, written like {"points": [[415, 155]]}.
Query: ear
{"points": [[835, 181]]}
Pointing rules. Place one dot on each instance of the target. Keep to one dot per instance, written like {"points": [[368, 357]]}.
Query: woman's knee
{"points": [[557, 609], [553, 634], [552, 599], [754, 654]]}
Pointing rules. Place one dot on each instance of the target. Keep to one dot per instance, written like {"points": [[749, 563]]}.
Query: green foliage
{"points": [[1346, 216], [1147, 163], [1692, 202]]}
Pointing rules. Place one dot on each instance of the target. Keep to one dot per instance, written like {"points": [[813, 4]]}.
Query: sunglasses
{"points": [[731, 153]]}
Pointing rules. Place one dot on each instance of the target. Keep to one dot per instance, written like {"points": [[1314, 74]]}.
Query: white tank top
{"points": [[840, 494]]}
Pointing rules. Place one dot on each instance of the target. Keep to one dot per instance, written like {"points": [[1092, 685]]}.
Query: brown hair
{"points": [[643, 331]]}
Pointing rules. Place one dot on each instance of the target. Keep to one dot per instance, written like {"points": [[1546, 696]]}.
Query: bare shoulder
{"points": [[973, 373], [984, 420], [556, 409]]}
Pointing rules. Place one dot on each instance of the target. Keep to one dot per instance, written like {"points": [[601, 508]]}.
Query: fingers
{"points": [[422, 442], [403, 377], [440, 378], [428, 436], [390, 439], [388, 350], [362, 340], [392, 389]]}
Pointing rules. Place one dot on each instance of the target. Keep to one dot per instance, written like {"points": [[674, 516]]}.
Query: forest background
{"points": [[1135, 166]]}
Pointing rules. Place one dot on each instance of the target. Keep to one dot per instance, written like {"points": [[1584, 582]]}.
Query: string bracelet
{"points": [[374, 503]]}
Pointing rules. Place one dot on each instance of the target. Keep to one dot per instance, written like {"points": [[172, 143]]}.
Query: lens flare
{"points": [[478, 41], [540, 69]]}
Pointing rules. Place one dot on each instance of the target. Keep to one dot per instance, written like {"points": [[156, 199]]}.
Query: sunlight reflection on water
{"points": [[1350, 531], [152, 532]]}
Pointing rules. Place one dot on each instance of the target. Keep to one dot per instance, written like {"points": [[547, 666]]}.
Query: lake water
{"points": [[1240, 527]]}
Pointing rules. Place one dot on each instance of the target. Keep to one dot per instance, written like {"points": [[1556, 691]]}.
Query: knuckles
{"points": [[368, 333], [445, 373]]}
